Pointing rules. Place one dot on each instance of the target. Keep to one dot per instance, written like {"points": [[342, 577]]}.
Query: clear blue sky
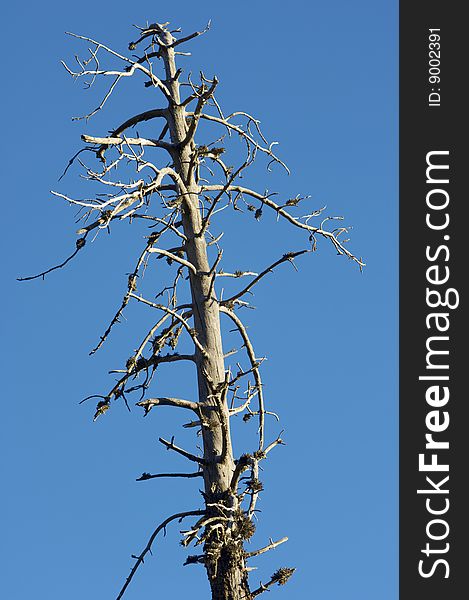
{"points": [[322, 77]]}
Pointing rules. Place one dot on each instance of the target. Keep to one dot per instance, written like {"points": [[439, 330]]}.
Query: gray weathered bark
{"points": [[225, 562]]}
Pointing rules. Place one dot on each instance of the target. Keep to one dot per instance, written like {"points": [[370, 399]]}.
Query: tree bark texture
{"points": [[225, 557]]}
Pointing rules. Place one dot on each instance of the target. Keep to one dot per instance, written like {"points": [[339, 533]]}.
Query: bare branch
{"points": [[124, 201], [226, 123], [255, 369], [173, 313], [191, 36], [231, 176], [191, 534], [277, 442], [330, 235], [118, 141], [244, 462], [280, 577], [177, 402], [162, 526], [239, 409], [145, 476], [133, 66], [80, 243], [159, 342], [266, 548], [171, 446], [133, 368], [171, 226], [140, 118], [237, 274], [288, 257], [196, 115], [177, 259], [131, 285]]}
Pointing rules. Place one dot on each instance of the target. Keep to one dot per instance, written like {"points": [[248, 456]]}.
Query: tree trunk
{"points": [[225, 556]]}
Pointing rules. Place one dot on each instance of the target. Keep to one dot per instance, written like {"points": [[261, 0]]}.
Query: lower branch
{"points": [[280, 577], [255, 369], [147, 548], [177, 316]]}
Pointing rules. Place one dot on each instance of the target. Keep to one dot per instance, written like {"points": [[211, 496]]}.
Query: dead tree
{"points": [[180, 200]]}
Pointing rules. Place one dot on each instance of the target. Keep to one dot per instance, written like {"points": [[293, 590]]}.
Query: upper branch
{"points": [[177, 402], [117, 141], [191, 36], [288, 257], [140, 118], [330, 235], [197, 114], [244, 134], [132, 66]]}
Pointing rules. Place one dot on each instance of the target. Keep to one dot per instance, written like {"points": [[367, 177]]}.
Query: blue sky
{"points": [[322, 77]]}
